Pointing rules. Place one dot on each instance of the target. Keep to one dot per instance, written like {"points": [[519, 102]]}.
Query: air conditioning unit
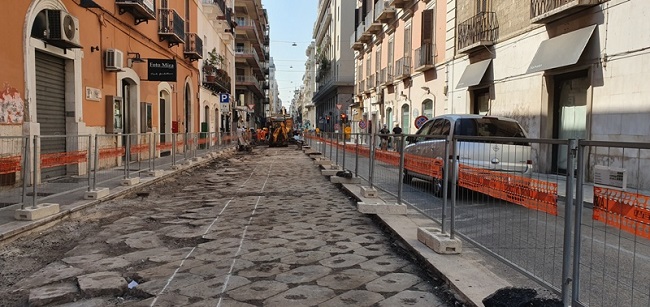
{"points": [[114, 60], [62, 29]]}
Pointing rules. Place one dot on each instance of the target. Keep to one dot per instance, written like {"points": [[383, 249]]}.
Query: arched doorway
{"points": [[406, 119], [163, 110], [427, 108]]}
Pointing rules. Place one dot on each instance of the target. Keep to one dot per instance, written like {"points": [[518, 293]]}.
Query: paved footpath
{"points": [[261, 229]]}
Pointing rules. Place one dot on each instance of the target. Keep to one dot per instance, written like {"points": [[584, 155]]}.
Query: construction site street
{"points": [[249, 229]]}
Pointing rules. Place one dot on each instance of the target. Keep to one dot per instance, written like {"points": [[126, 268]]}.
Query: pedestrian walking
{"points": [[384, 137], [397, 138]]}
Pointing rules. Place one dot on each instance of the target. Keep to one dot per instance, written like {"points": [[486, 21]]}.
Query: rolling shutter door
{"points": [[50, 106]]}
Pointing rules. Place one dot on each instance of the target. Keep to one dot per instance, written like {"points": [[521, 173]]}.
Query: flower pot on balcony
{"points": [[210, 78]]}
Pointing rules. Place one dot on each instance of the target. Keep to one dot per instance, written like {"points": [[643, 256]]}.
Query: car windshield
{"points": [[488, 127]]}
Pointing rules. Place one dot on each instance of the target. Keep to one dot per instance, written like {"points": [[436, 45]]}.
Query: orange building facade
{"points": [[102, 66]]}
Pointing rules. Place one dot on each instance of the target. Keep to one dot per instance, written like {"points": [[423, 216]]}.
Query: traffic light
{"points": [[344, 118]]}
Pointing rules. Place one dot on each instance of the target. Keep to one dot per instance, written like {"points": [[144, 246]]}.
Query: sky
{"points": [[290, 21]]}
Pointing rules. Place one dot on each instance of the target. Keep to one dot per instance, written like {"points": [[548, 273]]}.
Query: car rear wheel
{"points": [[407, 178]]}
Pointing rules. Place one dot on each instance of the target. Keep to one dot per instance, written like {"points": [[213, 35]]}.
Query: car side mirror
{"points": [[411, 139]]}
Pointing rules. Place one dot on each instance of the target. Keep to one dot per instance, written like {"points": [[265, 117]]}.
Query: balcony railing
{"points": [[249, 80], [399, 3], [217, 81], [390, 76], [193, 47], [248, 53], [544, 11], [371, 82], [171, 27], [142, 10], [403, 67], [361, 88], [354, 43], [480, 30], [248, 24], [424, 57], [383, 11]]}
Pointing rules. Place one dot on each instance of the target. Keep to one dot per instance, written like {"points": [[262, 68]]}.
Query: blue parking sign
{"points": [[224, 98]]}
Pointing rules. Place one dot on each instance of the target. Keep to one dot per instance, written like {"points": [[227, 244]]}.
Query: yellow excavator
{"points": [[281, 128]]}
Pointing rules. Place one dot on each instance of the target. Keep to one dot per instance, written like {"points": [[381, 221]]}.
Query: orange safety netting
{"points": [[9, 165], [63, 158], [624, 210], [531, 193]]}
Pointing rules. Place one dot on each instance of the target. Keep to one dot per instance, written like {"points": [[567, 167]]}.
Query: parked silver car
{"points": [[511, 157]]}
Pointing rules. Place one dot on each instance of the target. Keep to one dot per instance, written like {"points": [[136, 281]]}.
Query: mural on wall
{"points": [[12, 106]]}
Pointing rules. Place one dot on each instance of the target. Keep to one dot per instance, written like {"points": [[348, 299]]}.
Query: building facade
{"points": [[400, 62], [252, 62], [107, 67], [334, 61]]}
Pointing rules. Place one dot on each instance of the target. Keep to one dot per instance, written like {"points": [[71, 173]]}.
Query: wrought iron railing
{"points": [[171, 23], [424, 56], [541, 7], [403, 67], [482, 28], [193, 46]]}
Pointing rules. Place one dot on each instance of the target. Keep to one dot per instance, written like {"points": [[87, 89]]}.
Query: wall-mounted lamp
{"points": [[426, 88], [294, 44], [136, 57], [402, 94], [94, 48]]}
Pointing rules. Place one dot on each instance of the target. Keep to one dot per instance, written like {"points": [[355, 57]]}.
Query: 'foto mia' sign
{"points": [[161, 70]]}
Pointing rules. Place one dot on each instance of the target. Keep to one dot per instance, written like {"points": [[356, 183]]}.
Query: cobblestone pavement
{"points": [[261, 229]]}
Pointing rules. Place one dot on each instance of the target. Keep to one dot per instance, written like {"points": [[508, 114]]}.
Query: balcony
{"points": [[390, 74], [372, 27], [425, 57], [546, 11], [403, 68], [249, 82], [354, 43], [480, 30], [249, 56], [224, 12], [399, 3], [142, 10], [371, 83], [383, 11], [248, 28], [171, 27], [217, 80], [193, 47], [361, 87]]}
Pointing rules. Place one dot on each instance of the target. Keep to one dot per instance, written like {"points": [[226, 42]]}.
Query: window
{"points": [[406, 122], [483, 6], [407, 41], [427, 108], [488, 126]]}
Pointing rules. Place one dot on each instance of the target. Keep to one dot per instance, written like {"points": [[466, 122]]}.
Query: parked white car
{"points": [[511, 157]]}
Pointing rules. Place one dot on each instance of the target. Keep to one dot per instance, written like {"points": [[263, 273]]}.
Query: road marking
{"points": [[243, 236], [171, 278]]}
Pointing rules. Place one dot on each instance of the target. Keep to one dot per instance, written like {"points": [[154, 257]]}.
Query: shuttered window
{"points": [[427, 26]]}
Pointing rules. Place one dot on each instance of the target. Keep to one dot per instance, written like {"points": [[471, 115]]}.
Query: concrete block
{"points": [[156, 173], [41, 211], [322, 162], [177, 166], [330, 172], [130, 181], [314, 153], [337, 179], [188, 162], [381, 208], [96, 194], [197, 159], [368, 192], [439, 242]]}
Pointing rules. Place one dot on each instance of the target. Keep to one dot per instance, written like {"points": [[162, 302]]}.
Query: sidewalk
{"points": [[71, 199]]}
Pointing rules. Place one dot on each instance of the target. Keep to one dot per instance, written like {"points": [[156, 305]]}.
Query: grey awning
{"points": [[561, 51], [473, 74]]}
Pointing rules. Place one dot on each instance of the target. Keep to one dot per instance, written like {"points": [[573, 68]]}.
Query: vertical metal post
{"points": [[89, 160], [356, 156], [454, 188], [36, 148], [127, 159], [96, 162], [185, 146], [445, 184], [153, 154], [173, 149], [331, 144], [195, 143], [26, 169], [344, 151], [575, 294], [568, 211], [400, 182], [371, 168], [337, 148]]}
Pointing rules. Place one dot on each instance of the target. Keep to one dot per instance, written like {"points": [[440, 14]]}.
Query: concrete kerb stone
{"points": [[381, 208], [52, 220], [97, 193]]}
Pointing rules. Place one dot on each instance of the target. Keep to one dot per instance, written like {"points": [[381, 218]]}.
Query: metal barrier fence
{"points": [[508, 196], [33, 171]]}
